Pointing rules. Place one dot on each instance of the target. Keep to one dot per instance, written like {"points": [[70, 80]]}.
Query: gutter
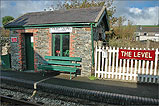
{"points": [[50, 25], [58, 24]]}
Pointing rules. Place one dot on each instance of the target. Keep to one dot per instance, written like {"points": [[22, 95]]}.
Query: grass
{"points": [[6, 69], [92, 77]]}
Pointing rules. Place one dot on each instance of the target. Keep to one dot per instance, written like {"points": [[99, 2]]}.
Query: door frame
{"points": [[30, 53]]}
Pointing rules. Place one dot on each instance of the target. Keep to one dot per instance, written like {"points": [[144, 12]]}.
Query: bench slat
{"points": [[63, 58], [58, 68], [67, 63], [58, 63]]}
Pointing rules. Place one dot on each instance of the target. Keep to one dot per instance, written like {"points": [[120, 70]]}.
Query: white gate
{"points": [[109, 66]]}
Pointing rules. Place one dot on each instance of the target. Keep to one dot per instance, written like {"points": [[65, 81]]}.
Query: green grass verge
{"points": [[92, 77]]}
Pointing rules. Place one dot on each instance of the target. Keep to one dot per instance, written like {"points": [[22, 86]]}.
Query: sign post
{"points": [[13, 39]]}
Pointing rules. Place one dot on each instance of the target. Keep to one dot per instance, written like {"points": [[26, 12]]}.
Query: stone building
{"points": [[71, 33]]}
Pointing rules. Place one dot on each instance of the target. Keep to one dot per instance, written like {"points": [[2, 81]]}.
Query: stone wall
{"points": [[80, 46], [42, 47], [17, 60]]}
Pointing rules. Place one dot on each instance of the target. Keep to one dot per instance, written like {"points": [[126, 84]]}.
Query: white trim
{"points": [[60, 29]]}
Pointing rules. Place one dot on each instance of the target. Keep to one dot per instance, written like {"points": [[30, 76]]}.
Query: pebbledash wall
{"points": [[80, 46]]}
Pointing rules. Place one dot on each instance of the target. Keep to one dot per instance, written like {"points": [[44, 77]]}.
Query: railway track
{"points": [[44, 98], [9, 101]]}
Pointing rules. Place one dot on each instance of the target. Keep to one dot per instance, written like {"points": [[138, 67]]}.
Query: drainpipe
{"points": [[92, 39]]}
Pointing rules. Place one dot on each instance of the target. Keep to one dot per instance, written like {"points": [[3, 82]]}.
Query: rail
{"points": [[6, 99]]}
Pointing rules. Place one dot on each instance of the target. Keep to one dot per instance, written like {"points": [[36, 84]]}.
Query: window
{"points": [[57, 45], [66, 45], [60, 44], [145, 33]]}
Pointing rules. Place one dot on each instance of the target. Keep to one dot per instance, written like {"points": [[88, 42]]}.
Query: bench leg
{"points": [[70, 76], [75, 74], [43, 74]]}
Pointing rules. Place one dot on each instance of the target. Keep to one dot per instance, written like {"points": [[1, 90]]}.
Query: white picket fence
{"points": [[107, 65]]}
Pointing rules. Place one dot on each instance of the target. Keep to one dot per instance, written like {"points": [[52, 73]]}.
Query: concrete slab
{"points": [[127, 88]]}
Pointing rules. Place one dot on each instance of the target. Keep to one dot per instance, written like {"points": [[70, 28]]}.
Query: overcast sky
{"points": [[140, 12]]}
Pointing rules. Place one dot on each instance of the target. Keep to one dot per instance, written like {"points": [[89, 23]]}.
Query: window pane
{"points": [[57, 45], [66, 42]]}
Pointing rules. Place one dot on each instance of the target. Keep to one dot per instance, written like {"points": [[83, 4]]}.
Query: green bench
{"points": [[57, 63]]}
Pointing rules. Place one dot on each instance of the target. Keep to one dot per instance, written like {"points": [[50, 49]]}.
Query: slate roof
{"points": [[147, 29], [82, 15]]}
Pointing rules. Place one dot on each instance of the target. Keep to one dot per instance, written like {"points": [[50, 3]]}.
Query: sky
{"points": [[139, 12]]}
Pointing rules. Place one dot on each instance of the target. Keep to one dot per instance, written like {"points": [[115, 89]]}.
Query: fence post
{"points": [[143, 69], [151, 70], [135, 73], [102, 61], [120, 68], [110, 50], [117, 63], [156, 60], [113, 62], [124, 67], [127, 76], [106, 63], [99, 54]]}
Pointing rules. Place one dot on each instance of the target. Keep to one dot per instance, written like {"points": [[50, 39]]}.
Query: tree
{"points": [[4, 32], [124, 31], [7, 19]]}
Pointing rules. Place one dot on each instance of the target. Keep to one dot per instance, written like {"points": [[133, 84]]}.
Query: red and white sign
{"points": [[137, 54], [13, 39]]}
